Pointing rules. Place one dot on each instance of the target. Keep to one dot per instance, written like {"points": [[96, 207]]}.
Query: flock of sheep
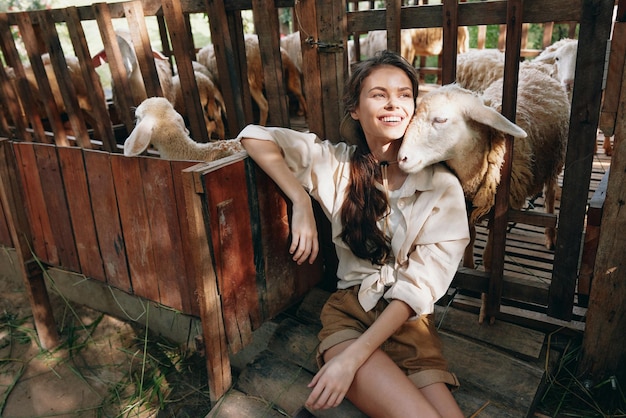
{"points": [[459, 124]]}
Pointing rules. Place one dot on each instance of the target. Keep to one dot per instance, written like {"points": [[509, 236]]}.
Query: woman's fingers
{"points": [[304, 246]]}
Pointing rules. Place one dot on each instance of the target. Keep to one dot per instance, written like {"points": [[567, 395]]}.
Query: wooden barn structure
{"points": [[208, 240]]}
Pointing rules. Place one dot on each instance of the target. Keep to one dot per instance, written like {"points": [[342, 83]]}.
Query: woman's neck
{"points": [[387, 153]]}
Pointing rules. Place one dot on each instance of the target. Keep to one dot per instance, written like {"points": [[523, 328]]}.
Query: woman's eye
{"points": [[440, 120]]}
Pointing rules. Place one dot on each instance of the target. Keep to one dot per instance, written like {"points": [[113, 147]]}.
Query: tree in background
{"points": [[23, 5]]}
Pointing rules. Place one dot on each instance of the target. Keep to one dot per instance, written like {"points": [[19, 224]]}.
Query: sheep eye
{"points": [[440, 120]]}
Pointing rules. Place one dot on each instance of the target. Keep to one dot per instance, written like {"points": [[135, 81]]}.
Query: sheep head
{"points": [[453, 125], [155, 118], [562, 55], [445, 127]]}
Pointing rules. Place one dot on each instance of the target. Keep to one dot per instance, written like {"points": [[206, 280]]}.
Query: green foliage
{"points": [[24, 5]]}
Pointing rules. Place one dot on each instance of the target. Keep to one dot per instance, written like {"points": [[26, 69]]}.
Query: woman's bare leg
{"points": [[381, 389]]}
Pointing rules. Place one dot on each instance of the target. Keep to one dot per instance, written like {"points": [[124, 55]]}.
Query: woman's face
{"points": [[386, 105]]}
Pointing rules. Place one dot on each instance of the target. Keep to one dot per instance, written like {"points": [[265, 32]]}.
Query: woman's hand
{"points": [[332, 382], [304, 241]]}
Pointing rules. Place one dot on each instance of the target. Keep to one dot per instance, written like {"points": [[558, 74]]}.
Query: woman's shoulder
{"points": [[442, 175]]}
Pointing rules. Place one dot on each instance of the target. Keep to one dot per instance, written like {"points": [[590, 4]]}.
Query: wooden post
{"points": [[509, 102], [32, 273], [595, 25], [603, 354]]}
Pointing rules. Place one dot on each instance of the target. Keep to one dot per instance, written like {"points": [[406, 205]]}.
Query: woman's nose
{"points": [[391, 103]]}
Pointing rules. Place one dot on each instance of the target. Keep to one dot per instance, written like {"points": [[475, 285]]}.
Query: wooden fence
{"points": [[203, 238]]}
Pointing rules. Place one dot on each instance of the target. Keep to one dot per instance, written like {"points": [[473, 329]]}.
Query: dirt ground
{"points": [[105, 367]]}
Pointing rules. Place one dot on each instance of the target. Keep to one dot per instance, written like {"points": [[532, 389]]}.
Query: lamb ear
{"points": [[139, 139], [491, 117], [547, 57]]}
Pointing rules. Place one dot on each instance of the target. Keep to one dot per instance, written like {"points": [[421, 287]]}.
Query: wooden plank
{"points": [[5, 234], [392, 25], [135, 226], [229, 58], [595, 26], [513, 338], [268, 31], [45, 94], [188, 286], [63, 79], [613, 79], [312, 83], [141, 43], [35, 203], [284, 281], [513, 288], [106, 219], [333, 64], [499, 220], [450, 40], [162, 216], [10, 102], [179, 32], [80, 209], [98, 116], [58, 215], [469, 14], [213, 328], [11, 199], [231, 236], [494, 373], [119, 78], [27, 99]]}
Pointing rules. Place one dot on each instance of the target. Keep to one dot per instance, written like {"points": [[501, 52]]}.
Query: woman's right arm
{"points": [[268, 156]]}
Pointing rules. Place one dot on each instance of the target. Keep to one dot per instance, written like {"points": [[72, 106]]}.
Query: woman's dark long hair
{"points": [[364, 204]]}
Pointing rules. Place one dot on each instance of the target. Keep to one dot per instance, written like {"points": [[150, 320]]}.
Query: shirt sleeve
{"points": [[437, 251], [317, 164]]}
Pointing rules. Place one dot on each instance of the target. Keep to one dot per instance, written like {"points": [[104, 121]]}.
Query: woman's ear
{"points": [[354, 115]]}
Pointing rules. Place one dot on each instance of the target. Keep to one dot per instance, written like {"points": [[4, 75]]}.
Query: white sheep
{"points": [[159, 124], [211, 101], [466, 131], [561, 55], [292, 45], [477, 69]]}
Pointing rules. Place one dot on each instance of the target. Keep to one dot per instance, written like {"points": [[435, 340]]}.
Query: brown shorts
{"points": [[415, 347]]}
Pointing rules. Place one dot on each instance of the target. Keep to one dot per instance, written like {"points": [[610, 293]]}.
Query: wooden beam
{"points": [[595, 26], [30, 269]]}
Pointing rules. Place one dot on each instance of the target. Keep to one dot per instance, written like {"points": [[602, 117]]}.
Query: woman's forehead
{"points": [[387, 76]]}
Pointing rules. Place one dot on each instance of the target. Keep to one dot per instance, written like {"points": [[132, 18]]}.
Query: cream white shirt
{"points": [[428, 221]]}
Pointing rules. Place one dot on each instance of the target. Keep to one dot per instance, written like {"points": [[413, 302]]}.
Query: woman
{"points": [[399, 239]]}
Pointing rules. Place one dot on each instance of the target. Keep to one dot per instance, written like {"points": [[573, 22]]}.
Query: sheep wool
{"points": [[160, 125], [467, 132]]}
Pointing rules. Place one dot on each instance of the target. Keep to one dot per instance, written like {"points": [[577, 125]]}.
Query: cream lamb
{"points": [[467, 132], [160, 125]]}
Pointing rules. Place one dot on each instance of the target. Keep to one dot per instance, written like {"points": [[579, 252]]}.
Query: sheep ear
{"points": [[138, 140], [546, 56], [491, 117]]}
